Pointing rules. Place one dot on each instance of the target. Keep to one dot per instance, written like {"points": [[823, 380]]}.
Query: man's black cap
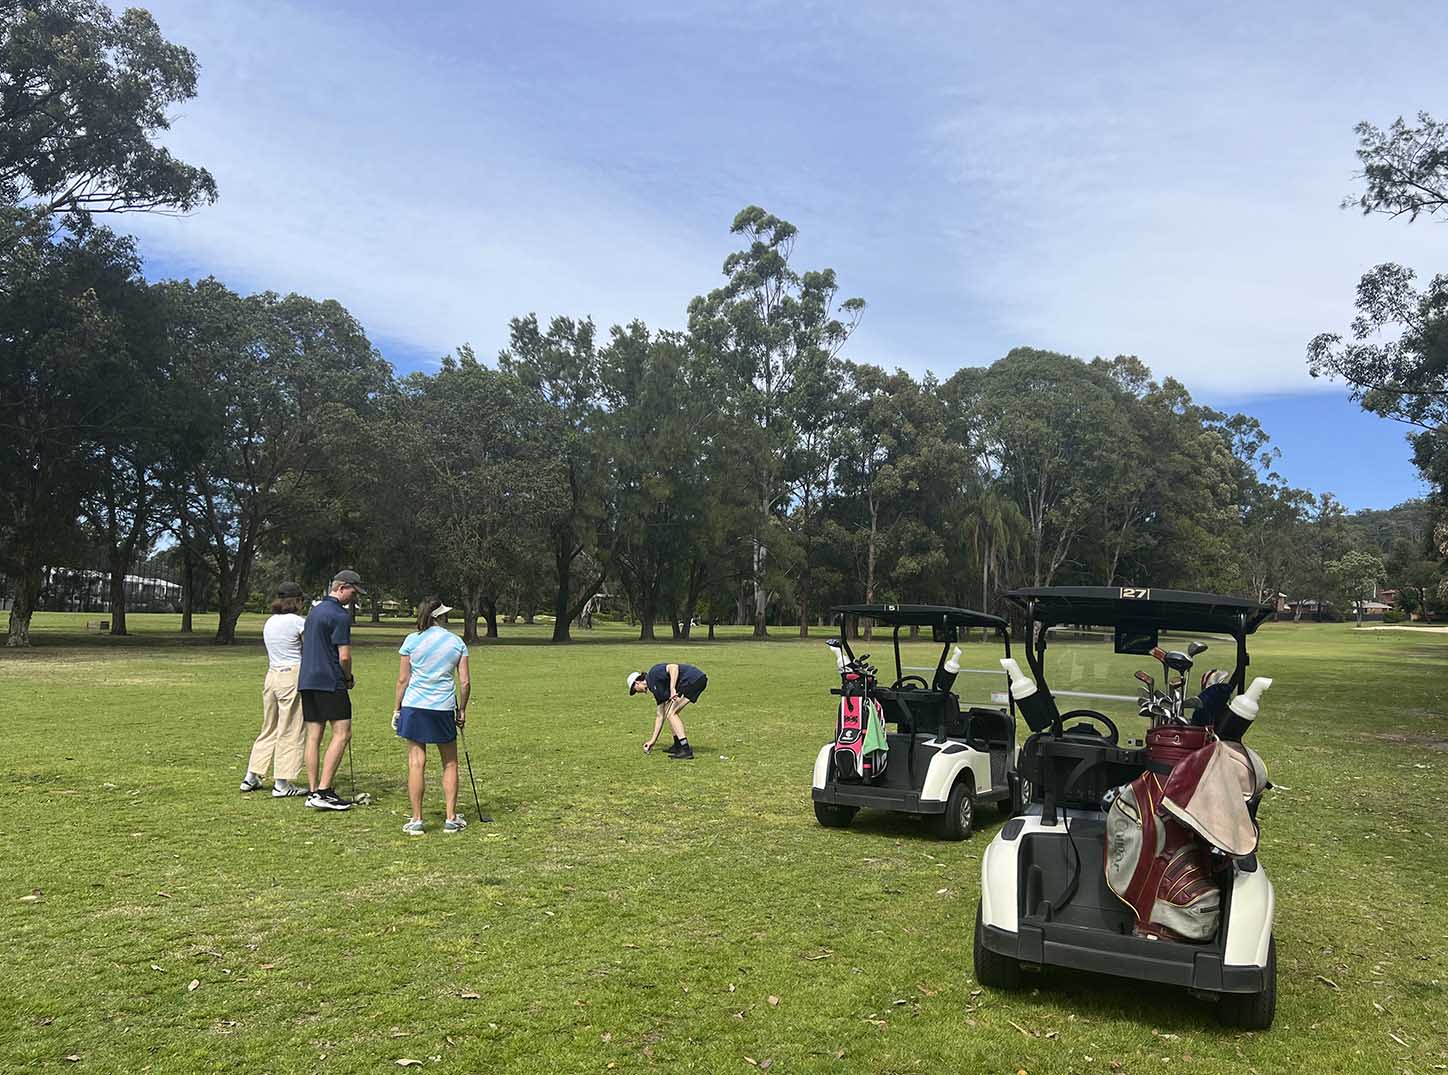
{"points": [[350, 578], [288, 589]]}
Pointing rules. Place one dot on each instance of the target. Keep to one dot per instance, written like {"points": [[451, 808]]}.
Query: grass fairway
{"points": [[633, 913]]}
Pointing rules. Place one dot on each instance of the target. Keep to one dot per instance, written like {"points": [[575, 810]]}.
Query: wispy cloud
{"points": [[1096, 180]]}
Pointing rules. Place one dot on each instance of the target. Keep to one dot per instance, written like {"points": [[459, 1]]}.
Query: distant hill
{"points": [[1380, 528]]}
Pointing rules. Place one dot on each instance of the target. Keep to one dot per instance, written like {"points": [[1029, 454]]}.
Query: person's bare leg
{"points": [[416, 768], [675, 723], [341, 736], [449, 752], [312, 752]]}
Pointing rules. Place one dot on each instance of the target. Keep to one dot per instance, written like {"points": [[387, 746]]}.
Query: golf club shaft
{"points": [[462, 732]]}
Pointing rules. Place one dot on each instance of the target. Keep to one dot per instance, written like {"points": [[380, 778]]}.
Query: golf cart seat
{"points": [[927, 712], [1080, 765]]}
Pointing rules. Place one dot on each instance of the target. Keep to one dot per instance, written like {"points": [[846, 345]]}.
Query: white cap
{"points": [[632, 676], [441, 611]]}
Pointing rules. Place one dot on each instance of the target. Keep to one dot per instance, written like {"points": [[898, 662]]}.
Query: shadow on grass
{"points": [[1102, 996]]}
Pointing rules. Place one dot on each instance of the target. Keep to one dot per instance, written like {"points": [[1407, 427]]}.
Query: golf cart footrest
{"points": [[877, 798], [1054, 944]]}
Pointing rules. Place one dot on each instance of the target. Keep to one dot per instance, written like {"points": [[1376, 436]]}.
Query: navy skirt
{"points": [[427, 725]]}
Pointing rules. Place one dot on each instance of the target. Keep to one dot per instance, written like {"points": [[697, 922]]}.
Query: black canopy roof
{"points": [[922, 615], [1183, 610]]}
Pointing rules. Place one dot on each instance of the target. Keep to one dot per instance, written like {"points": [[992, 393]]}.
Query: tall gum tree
{"points": [[768, 327]]}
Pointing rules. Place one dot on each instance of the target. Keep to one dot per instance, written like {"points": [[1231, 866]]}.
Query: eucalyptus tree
{"points": [[1048, 426], [489, 468], [658, 422], [773, 331], [560, 363], [84, 93], [272, 380], [64, 368]]}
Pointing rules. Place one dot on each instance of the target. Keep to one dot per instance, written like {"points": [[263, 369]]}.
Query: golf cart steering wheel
{"points": [[909, 683], [1113, 733]]}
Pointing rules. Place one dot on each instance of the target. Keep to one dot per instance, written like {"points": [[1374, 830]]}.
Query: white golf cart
{"points": [[1116, 866], [943, 755]]}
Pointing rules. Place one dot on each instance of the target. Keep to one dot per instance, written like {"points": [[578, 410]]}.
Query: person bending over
{"points": [[430, 710], [673, 686]]}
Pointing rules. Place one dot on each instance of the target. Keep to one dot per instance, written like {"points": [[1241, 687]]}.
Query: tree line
{"points": [[743, 468]]}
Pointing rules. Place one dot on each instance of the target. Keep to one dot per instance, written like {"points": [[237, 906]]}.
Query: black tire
{"points": [[1019, 798], [832, 816], [959, 816], [1253, 1011], [992, 969]]}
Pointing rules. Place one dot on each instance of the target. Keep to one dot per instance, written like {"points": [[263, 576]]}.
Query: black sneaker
{"points": [[684, 753], [327, 799]]}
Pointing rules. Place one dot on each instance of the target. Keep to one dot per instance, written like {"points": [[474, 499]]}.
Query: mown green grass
{"points": [[633, 913]]}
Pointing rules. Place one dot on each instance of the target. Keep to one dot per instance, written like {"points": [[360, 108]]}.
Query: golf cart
{"points": [[1133, 858], [943, 757]]}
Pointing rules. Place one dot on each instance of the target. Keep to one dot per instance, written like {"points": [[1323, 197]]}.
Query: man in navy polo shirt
{"points": [[323, 682], [673, 686]]}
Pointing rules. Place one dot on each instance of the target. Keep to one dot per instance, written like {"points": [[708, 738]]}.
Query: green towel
{"points": [[875, 738]]}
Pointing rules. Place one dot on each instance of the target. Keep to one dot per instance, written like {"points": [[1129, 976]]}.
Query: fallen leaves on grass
{"points": [[469, 996], [33, 896], [73, 1058], [773, 1001], [195, 985], [407, 1062], [1325, 981]]}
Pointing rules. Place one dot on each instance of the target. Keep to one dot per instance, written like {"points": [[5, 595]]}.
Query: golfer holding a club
{"points": [[430, 709]]}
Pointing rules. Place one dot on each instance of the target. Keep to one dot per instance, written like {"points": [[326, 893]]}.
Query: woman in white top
{"points": [[283, 736], [431, 707]]}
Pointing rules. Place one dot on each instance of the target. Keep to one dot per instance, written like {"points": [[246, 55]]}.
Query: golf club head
{"points": [[1193, 648]]}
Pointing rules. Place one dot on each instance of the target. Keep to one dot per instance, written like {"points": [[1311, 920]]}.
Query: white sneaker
{"points": [[455, 824], [318, 801], [285, 789], [413, 827], [251, 782]]}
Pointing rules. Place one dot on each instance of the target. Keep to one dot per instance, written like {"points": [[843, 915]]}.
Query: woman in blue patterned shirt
{"points": [[430, 709]]}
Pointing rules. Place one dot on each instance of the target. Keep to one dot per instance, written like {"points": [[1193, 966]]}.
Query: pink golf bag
{"points": [[852, 760]]}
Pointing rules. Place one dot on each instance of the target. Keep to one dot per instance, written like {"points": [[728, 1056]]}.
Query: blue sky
{"points": [[1095, 179]]}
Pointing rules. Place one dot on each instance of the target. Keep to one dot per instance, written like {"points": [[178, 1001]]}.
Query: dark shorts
{"points": [[319, 707], [693, 690], [427, 725]]}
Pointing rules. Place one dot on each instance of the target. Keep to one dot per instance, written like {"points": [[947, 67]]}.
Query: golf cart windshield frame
{"points": [[1110, 606], [897, 616]]}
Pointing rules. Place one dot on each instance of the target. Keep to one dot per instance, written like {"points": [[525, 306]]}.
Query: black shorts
{"points": [[693, 690], [319, 707]]}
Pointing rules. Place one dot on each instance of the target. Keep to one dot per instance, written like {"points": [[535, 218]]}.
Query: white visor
{"points": [[441, 611]]}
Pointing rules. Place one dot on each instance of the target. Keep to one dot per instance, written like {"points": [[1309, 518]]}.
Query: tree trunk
{"points": [[490, 613], [119, 565], [376, 606], [188, 582], [563, 594], [529, 614], [647, 611], [870, 567], [804, 606], [231, 611], [761, 596], [711, 628], [27, 593]]}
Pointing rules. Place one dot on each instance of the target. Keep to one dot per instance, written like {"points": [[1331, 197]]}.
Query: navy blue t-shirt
{"points": [[658, 681], [329, 625]]}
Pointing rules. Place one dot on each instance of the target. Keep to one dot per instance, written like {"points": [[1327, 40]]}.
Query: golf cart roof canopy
{"points": [[922, 616], [1182, 610]]}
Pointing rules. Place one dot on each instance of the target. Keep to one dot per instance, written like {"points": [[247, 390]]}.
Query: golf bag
{"points": [[861, 747], [1155, 864]]}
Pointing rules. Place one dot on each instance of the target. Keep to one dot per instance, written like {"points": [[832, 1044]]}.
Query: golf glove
{"points": [[396, 716]]}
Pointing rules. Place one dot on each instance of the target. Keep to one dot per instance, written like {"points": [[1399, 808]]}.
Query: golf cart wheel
{"points": [[992, 969], [1253, 1011], [959, 816], [832, 816], [1019, 798]]}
